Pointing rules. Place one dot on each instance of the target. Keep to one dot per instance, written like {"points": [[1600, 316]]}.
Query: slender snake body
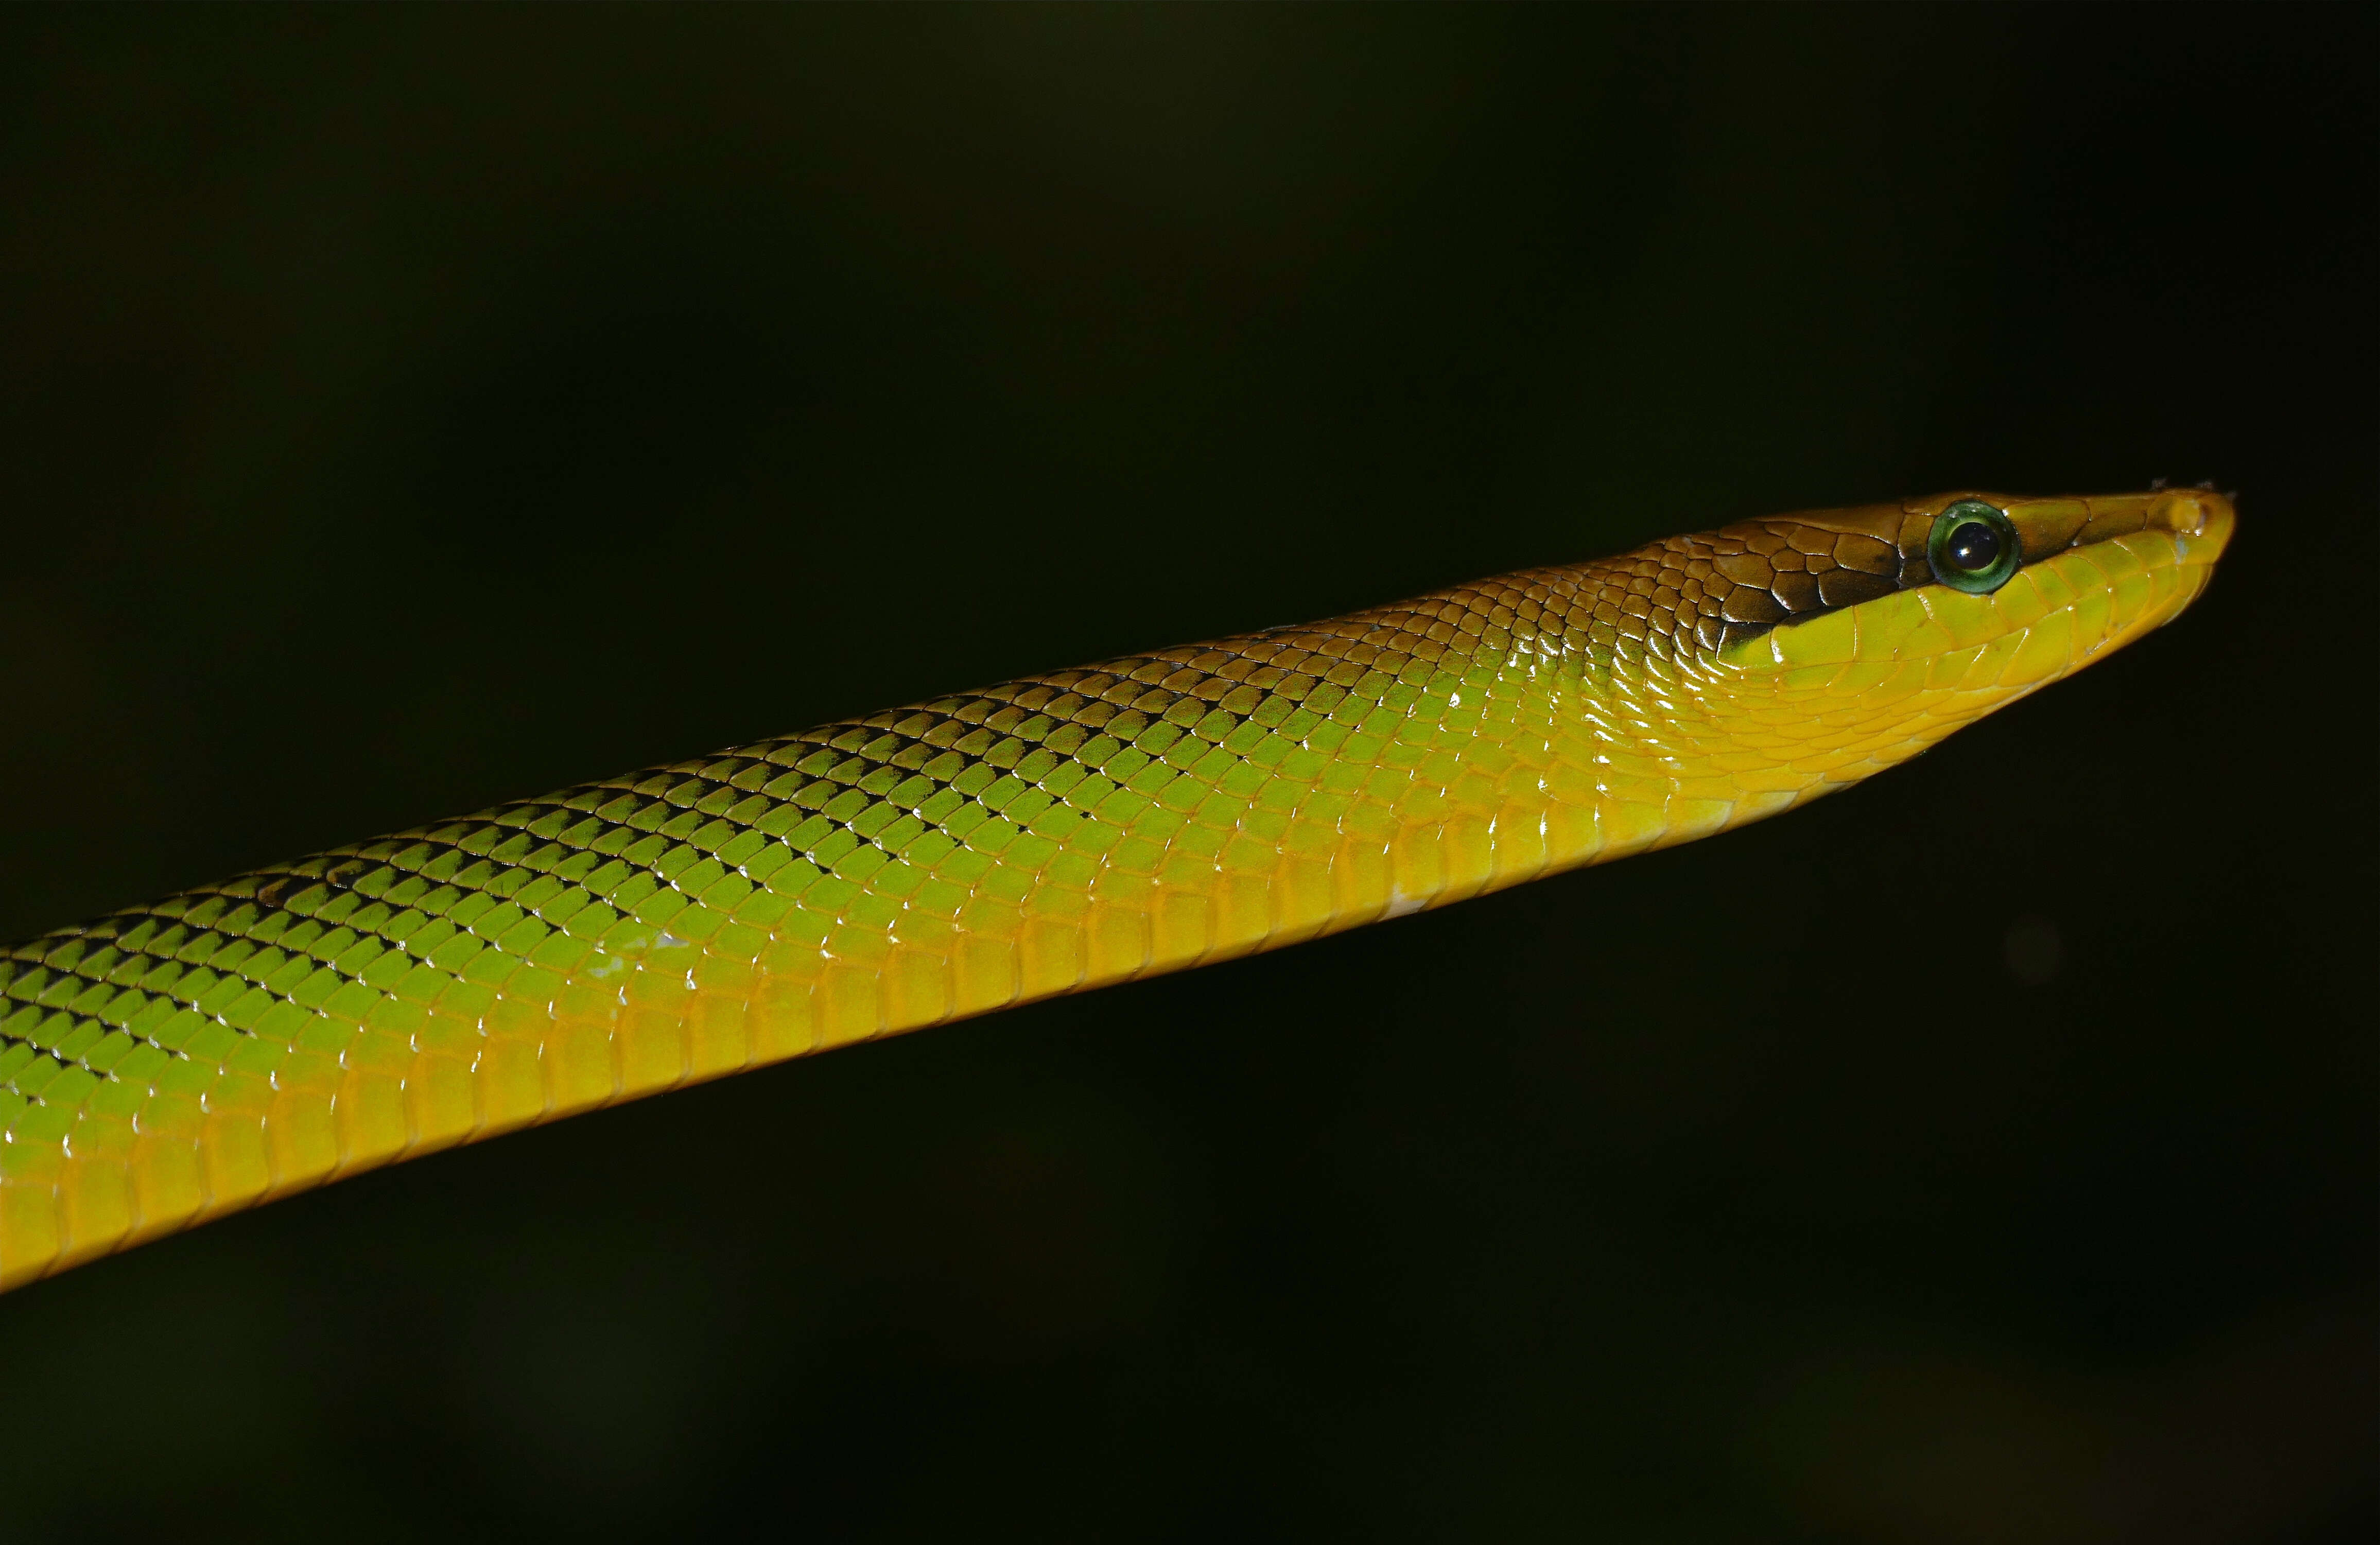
{"points": [[171, 1063]]}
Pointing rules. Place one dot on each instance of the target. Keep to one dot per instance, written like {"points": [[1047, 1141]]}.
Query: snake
{"points": [[172, 1062]]}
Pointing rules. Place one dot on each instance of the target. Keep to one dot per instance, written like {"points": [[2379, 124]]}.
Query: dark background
{"points": [[406, 410]]}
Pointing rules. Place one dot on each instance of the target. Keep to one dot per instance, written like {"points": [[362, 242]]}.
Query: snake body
{"points": [[170, 1062]]}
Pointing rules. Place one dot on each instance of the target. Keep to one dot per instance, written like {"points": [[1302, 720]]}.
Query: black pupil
{"points": [[1974, 547]]}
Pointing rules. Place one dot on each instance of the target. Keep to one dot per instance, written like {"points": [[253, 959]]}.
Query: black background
{"points": [[406, 410]]}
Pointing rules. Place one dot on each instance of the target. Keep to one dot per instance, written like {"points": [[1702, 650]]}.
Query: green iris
{"points": [[1974, 547]]}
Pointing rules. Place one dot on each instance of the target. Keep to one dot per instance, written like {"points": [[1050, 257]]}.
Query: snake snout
{"points": [[2189, 512]]}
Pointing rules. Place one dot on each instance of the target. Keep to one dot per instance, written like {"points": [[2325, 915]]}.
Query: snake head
{"points": [[1784, 657], [1922, 616], [2022, 590]]}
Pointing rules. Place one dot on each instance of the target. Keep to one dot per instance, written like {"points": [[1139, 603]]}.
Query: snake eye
{"points": [[1974, 547]]}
